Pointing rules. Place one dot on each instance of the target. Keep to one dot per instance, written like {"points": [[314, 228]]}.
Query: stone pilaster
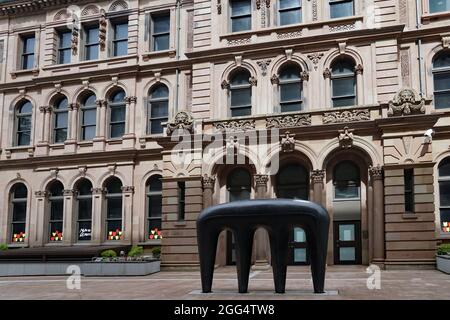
{"points": [[376, 174], [261, 245], [129, 138], [100, 138], [317, 177], [39, 227], [71, 143], [208, 190], [127, 205], [261, 185], [69, 219], [98, 221]]}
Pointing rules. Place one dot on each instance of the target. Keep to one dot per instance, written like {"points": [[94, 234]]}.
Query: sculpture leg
{"points": [[207, 246], [279, 240], [244, 245], [318, 242]]}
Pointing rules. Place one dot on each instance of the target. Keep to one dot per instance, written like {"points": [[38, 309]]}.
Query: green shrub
{"points": [[156, 252], [3, 247], [135, 251], [108, 254], [443, 249]]}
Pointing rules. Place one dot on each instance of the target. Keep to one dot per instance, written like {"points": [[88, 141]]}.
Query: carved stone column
{"points": [[47, 124], [378, 215], [359, 84], [74, 108], [98, 223], [130, 135], [38, 227], [327, 76], [100, 138], [261, 244], [127, 222], [208, 190], [42, 110], [317, 177], [69, 219]]}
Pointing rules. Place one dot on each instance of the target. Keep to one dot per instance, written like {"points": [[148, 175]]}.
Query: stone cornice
{"points": [[26, 6]]}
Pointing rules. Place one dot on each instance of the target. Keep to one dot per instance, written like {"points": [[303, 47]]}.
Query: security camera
{"points": [[429, 135]]}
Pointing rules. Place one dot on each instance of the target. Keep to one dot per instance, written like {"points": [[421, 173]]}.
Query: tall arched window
{"points": [[239, 185], [347, 181], [154, 207], [18, 205], [158, 109], [341, 8], [444, 193], [56, 215], [293, 182], [441, 75], [23, 123], [240, 94], [88, 117], [60, 120], [84, 209], [117, 110], [114, 229], [291, 88], [343, 82]]}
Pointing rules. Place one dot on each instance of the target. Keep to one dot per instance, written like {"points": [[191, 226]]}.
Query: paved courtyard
{"points": [[341, 283]]}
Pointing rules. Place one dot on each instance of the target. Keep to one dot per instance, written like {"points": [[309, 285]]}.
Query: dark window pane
{"points": [[89, 117], [442, 81], [445, 220], [286, 4], [240, 78], [18, 232], [20, 192], [117, 130], [28, 45], [343, 87], [444, 168], [161, 42], [114, 229], [61, 120], [155, 184], [84, 231], [114, 185], [290, 92], [64, 56], [92, 35], [290, 17], [241, 97], [161, 24], [90, 100], [343, 67], [56, 189], [291, 107], [19, 212], [241, 24], [85, 209], [28, 62], [56, 210], [346, 192], [24, 123], [444, 191], [240, 7], [114, 208], [159, 92], [290, 73], [442, 100], [60, 135], [154, 224], [56, 231], [84, 187], [241, 112], [88, 133], [120, 48], [346, 171], [26, 107], [442, 60], [341, 9], [159, 109], [121, 31], [154, 206], [65, 39], [156, 126], [24, 139], [344, 102], [239, 178], [118, 114], [439, 6], [92, 52], [293, 175], [62, 104]]}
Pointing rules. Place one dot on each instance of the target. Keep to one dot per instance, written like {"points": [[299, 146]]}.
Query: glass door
{"points": [[298, 255], [347, 242]]}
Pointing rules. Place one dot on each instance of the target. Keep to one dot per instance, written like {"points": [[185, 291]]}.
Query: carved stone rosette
{"points": [[346, 116], [376, 172], [301, 120], [317, 176], [235, 125], [208, 182], [288, 143], [182, 121], [406, 102], [346, 138]]}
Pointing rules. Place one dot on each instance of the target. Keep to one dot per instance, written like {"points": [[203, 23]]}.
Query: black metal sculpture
{"points": [[278, 217]]}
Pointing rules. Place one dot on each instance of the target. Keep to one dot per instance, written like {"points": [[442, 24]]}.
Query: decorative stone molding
{"points": [[82, 170], [346, 116], [131, 99], [54, 173], [235, 125], [118, 6], [74, 40], [275, 79], [258, 4], [261, 180], [74, 106], [208, 182], [405, 66], [343, 27], [219, 7], [327, 73], [288, 143], [289, 121], [43, 109], [41, 194], [253, 81], [314, 10], [446, 42], [30, 152], [182, 121], [267, 4], [304, 75], [98, 191], [225, 85], [232, 145], [112, 168], [315, 58], [263, 64], [317, 176], [101, 103], [376, 172], [90, 10], [289, 35], [49, 109], [127, 189], [102, 31], [359, 69], [346, 138], [239, 42], [69, 193], [406, 102]]}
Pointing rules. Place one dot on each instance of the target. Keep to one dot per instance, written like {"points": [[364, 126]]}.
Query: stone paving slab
{"points": [[346, 282]]}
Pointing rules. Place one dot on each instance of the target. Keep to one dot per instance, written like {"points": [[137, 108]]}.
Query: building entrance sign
{"points": [[279, 218]]}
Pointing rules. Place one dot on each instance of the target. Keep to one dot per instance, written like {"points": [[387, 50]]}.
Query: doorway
{"points": [[347, 242]]}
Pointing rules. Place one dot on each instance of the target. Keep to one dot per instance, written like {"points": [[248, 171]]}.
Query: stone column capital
{"points": [[98, 191], [43, 109], [376, 172], [127, 189], [41, 194], [327, 73], [101, 103], [318, 175], [208, 182], [261, 180], [131, 99], [69, 193], [74, 106]]}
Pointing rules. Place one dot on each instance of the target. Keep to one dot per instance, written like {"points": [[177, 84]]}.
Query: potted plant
{"points": [[443, 258]]}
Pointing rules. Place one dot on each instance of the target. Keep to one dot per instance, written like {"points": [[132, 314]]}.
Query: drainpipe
{"points": [[178, 26], [419, 48]]}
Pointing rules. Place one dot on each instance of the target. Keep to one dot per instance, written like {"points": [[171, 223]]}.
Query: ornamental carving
{"points": [[219, 7], [127, 189], [253, 81], [327, 73], [98, 191], [232, 145], [406, 102], [263, 64], [346, 116], [359, 69], [317, 176], [289, 35], [69, 192], [182, 121], [102, 31], [346, 138], [304, 75], [315, 58], [208, 182], [74, 41], [239, 42], [343, 27], [275, 79], [288, 143], [41, 194], [118, 6], [235, 125], [225, 84], [261, 180], [301, 120], [376, 172]]}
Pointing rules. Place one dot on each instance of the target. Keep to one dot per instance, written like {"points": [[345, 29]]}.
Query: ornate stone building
{"points": [[352, 97]]}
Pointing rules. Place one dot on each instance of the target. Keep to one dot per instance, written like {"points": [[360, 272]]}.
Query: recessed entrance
{"points": [[347, 242]]}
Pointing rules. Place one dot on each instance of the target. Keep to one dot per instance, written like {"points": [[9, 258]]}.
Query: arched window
{"points": [[441, 75], [158, 109], [88, 117], [444, 193], [291, 89], [60, 120], [241, 15], [343, 82], [239, 185], [293, 182], [439, 6], [117, 111], [341, 8], [154, 207], [114, 209], [23, 123], [56, 206], [18, 205], [289, 12], [84, 209], [347, 181], [240, 94]]}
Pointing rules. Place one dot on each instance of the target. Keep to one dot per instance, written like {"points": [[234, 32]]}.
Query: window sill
{"points": [[34, 72], [56, 146], [158, 54], [17, 246], [438, 15], [150, 243], [88, 63], [114, 141]]}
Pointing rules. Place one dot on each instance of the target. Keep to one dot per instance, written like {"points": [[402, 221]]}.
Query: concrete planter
{"points": [[17, 269], [126, 268], [443, 263]]}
